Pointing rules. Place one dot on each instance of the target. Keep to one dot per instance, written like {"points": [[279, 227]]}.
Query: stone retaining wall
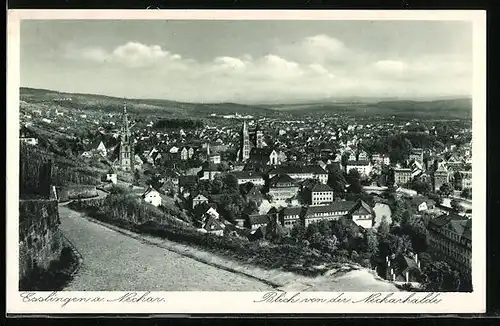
{"points": [[40, 240]]}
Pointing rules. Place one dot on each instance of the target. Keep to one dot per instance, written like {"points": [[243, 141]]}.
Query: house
{"points": [[199, 199], [403, 268], [405, 192], [252, 192], [320, 194], [112, 177], [289, 216], [282, 187], [363, 215], [332, 211], [186, 153], [301, 173], [381, 159], [422, 203], [402, 176], [362, 156], [101, 149], [213, 225], [152, 196], [86, 154], [214, 158], [416, 154], [440, 177], [249, 176], [255, 221], [450, 237], [209, 171], [364, 167], [29, 141]]}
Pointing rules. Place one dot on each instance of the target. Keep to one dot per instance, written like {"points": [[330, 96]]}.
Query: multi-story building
{"points": [[301, 173], [320, 194], [402, 175], [290, 216], [329, 212], [249, 176], [282, 187], [364, 167], [450, 237], [362, 214], [440, 177]]}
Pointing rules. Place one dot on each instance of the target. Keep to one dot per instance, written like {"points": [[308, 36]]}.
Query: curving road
{"points": [[115, 262]]}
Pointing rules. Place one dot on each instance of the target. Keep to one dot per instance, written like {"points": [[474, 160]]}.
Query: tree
{"points": [[337, 182], [344, 159], [137, 177], [298, 232], [445, 189], [440, 277], [230, 183], [466, 193], [354, 180], [384, 227], [371, 244], [455, 205], [420, 186], [457, 181]]}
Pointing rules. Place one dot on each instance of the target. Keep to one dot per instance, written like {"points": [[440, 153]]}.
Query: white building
{"points": [[152, 196], [112, 177], [363, 167]]}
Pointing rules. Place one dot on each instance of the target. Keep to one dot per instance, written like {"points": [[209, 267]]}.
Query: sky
{"points": [[249, 61]]}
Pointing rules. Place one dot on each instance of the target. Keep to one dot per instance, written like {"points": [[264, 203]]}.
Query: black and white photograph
{"points": [[281, 156]]}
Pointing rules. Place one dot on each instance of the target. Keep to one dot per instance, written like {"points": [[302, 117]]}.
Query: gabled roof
{"points": [[290, 169], [444, 219], [258, 219], [360, 206], [333, 208], [149, 190], [246, 174], [280, 179], [321, 187], [213, 224], [287, 211]]}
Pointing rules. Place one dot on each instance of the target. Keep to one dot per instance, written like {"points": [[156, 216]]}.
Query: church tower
{"points": [[126, 145], [259, 137], [244, 153]]}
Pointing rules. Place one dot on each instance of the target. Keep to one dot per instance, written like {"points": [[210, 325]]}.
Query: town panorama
{"points": [[128, 193]]}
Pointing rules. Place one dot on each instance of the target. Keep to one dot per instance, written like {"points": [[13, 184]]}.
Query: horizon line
{"points": [[303, 101]]}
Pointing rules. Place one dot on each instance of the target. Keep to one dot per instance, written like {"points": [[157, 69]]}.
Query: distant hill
{"points": [[442, 109], [103, 102]]}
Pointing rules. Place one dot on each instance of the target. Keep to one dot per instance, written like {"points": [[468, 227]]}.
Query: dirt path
{"points": [[115, 262], [113, 253]]}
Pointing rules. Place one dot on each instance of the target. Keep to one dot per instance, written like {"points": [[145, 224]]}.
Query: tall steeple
{"points": [[126, 144], [259, 137], [245, 143]]}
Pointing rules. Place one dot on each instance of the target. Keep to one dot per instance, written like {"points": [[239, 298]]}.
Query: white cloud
{"points": [[391, 66], [306, 69], [315, 49]]}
